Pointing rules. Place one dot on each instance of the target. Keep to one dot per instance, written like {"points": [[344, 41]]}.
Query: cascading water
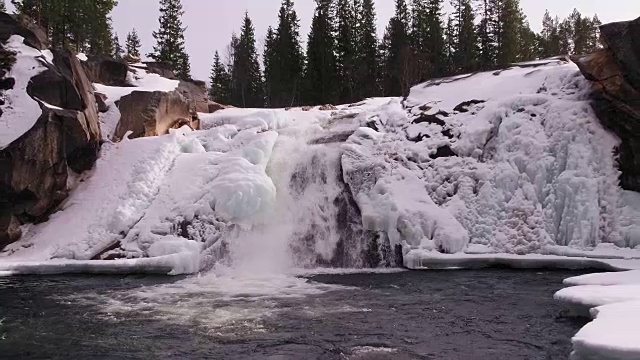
{"points": [[315, 222]]}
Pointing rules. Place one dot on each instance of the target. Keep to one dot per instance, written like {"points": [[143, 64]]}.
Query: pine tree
{"points": [[246, 79], [464, 55], [550, 37], [170, 44], [397, 52], [118, 51], [346, 50], [75, 24], [287, 63], [594, 34], [320, 73], [486, 35], [133, 44], [508, 31], [268, 60], [220, 90], [367, 53]]}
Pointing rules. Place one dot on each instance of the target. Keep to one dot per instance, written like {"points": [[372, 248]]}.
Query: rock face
{"points": [[615, 75], [107, 71], [23, 26], [34, 168], [153, 113]]}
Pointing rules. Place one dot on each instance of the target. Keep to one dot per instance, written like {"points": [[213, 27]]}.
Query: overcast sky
{"points": [[211, 22]]}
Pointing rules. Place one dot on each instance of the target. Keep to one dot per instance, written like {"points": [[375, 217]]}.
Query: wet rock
{"points": [[464, 106], [7, 83], [9, 229], [327, 107], [443, 151], [430, 119], [152, 113]]}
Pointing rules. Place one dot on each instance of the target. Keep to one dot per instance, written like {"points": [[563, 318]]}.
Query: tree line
{"points": [[345, 61], [86, 26]]}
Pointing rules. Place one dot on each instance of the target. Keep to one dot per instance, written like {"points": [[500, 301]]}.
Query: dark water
{"points": [[480, 314]]}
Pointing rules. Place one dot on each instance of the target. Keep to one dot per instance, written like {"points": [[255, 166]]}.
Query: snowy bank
{"points": [[20, 112], [614, 303]]}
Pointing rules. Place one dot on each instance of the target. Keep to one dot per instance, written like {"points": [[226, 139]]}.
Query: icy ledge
{"points": [[614, 303]]}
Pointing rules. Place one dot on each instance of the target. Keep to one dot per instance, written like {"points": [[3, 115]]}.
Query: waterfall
{"points": [[315, 222]]}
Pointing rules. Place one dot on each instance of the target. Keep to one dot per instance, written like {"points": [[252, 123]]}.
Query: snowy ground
{"points": [[473, 169], [20, 112]]}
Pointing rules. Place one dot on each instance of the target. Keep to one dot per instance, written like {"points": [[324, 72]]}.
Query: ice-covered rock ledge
{"points": [[613, 301]]}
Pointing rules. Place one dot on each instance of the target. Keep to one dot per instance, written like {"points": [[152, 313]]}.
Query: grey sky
{"points": [[211, 22]]}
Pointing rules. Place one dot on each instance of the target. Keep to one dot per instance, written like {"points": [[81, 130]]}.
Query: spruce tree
{"points": [[509, 24], [118, 51], [397, 52], [268, 60], [486, 34], [170, 43], [133, 44], [367, 71], [288, 59], [464, 45], [435, 38], [320, 73], [346, 50], [246, 79], [220, 90]]}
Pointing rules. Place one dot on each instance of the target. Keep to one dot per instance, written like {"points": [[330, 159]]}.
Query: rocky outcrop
{"points": [[25, 27], [107, 71], [34, 168], [153, 113], [615, 75], [196, 93]]}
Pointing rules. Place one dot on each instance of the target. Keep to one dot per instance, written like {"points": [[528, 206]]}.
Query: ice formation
{"points": [[614, 300], [510, 162]]}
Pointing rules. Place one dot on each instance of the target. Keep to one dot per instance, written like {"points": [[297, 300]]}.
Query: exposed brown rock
{"points": [[9, 229], [101, 102], [327, 107], [196, 93], [22, 25], [107, 71], [160, 68], [153, 113], [34, 168], [615, 75], [214, 106]]}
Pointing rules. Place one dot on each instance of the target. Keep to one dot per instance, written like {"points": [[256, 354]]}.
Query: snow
{"points": [[614, 299], [82, 57], [157, 181], [141, 80], [20, 111]]}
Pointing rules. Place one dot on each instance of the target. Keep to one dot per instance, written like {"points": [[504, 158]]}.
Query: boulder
{"points": [[22, 25], [213, 106], [9, 229], [153, 113], [107, 71], [34, 168], [196, 93], [614, 72], [160, 68]]}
